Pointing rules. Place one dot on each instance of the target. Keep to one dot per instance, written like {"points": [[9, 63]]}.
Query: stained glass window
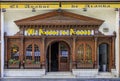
{"points": [[14, 52], [84, 53], [80, 52]]}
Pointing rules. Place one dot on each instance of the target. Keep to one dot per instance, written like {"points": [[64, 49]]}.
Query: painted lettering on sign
{"points": [[56, 5], [98, 6], [39, 32]]}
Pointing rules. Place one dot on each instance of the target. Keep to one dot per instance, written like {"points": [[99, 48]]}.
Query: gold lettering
{"points": [[72, 32], [30, 31], [41, 32], [89, 32]]}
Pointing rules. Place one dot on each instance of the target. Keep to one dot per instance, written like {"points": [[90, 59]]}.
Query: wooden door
{"points": [[63, 57], [84, 56]]}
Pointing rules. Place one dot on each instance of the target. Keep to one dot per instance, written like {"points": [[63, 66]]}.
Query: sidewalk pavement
{"points": [[77, 79]]}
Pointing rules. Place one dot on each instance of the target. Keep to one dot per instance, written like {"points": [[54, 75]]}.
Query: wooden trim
{"points": [[21, 49], [32, 51], [73, 52], [110, 57], [62, 0], [96, 55], [49, 58], [59, 18], [59, 56], [113, 53], [43, 55]]}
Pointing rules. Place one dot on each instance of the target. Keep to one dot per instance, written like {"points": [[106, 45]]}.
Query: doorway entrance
{"points": [[58, 57], [103, 58]]}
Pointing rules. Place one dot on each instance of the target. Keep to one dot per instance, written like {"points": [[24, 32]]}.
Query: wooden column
{"points": [[6, 52], [96, 55], [73, 54], [49, 58], [113, 52], [22, 52], [110, 56], [43, 53]]}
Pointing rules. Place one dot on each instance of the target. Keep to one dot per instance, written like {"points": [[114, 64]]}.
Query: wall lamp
{"points": [[33, 10], [116, 9], [3, 10], [84, 9]]}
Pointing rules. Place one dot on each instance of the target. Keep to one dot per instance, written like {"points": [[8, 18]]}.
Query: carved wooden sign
{"points": [[39, 32]]}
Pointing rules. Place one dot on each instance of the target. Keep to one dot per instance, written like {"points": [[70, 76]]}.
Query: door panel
{"points": [[63, 57], [84, 56]]}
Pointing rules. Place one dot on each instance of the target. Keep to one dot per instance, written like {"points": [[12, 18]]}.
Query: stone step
{"points": [[59, 75], [105, 75]]}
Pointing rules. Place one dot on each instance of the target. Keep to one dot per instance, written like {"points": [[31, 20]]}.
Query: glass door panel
{"points": [[63, 57]]}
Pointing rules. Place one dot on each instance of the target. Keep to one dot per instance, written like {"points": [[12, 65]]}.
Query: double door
{"points": [[58, 57]]}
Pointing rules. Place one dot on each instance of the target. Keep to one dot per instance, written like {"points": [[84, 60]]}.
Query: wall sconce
{"points": [[3, 10], [84, 9], [59, 10], [33, 10], [116, 9]]}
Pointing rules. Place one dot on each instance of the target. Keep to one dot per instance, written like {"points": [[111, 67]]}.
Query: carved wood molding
{"points": [[51, 40], [107, 40], [56, 17]]}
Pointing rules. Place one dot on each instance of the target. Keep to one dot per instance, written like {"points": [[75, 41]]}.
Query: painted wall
{"points": [[110, 16]]}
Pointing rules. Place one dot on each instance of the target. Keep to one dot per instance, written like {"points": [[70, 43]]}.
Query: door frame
{"points": [[108, 57], [49, 44]]}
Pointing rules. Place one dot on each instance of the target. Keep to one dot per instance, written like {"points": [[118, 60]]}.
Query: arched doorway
{"points": [[58, 56], [103, 57]]}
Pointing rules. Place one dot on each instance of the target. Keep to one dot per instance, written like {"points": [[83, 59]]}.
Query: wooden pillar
{"points": [[49, 58], [43, 53], [96, 55], [21, 49], [110, 56], [6, 52], [113, 52], [73, 54]]}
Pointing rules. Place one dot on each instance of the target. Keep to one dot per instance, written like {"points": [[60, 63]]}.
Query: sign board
{"points": [[69, 32], [44, 5], [63, 5]]}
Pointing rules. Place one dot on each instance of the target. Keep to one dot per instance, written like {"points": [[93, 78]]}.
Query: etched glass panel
{"points": [[29, 52], [80, 52], [88, 53], [36, 54]]}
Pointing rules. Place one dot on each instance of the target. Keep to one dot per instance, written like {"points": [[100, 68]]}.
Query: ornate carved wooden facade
{"points": [[70, 40]]}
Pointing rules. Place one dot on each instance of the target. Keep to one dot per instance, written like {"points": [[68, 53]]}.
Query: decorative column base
{"points": [[73, 65], [43, 65]]}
